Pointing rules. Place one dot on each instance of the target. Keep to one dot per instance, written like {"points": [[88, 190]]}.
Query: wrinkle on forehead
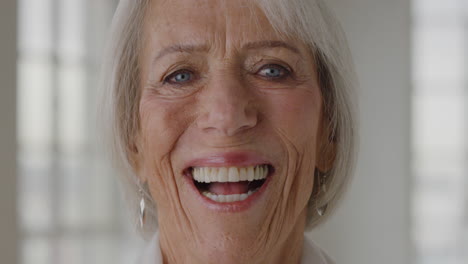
{"points": [[223, 24]]}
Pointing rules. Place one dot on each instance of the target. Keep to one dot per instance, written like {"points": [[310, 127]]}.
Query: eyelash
{"points": [[285, 71], [167, 80]]}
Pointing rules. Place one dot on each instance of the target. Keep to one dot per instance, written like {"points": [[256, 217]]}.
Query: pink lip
{"points": [[228, 159]]}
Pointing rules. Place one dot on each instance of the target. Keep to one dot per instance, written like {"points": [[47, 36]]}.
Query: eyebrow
{"points": [[181, 48], [265, 44], [189, 48]]}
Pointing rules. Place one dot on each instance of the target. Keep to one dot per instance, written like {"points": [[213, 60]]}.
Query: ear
{"points": [[136, 158], [134, 153], [326, 145]]}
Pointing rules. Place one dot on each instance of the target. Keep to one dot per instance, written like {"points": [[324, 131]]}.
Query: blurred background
{"points": [[408, 202]]}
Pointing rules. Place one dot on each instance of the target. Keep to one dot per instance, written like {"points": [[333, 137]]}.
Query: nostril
{"points": [[227, 117], [229, 129]]}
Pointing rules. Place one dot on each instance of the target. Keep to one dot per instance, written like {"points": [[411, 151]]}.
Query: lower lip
{"points": [[232, 207]]}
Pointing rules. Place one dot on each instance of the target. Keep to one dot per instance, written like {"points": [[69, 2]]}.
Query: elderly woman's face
{"points": [[230, 117]]}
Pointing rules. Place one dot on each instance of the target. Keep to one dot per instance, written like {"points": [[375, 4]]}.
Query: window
{"points": [[68, 203], [440, 131]]}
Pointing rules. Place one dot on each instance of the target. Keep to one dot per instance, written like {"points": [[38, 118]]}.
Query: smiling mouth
{"points": [[229, 184]]}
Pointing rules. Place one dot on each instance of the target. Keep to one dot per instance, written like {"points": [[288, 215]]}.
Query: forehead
{"points": [[223, 22]]}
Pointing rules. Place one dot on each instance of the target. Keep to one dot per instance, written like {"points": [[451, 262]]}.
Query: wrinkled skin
{"points": [[227, 104]]}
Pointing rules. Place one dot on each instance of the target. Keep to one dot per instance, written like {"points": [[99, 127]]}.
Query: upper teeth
{"points": [[231, 174]]}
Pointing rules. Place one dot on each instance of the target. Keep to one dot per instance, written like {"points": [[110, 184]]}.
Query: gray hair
{"points": [[308, 20]]}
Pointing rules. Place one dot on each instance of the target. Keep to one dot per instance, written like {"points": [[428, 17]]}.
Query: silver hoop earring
{"points": [[142, 208], [322, 188]]}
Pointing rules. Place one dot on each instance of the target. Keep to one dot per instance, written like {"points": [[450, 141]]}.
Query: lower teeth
{"points": [[220, 198]]}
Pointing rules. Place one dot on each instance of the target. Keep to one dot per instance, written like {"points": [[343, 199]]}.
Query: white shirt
{"points": [[311, 253]]}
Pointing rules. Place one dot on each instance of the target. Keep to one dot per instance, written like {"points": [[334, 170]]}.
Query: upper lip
{"points": [[228, 159]]}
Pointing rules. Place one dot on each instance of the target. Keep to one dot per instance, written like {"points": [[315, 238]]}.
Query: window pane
{"points": [[439, 53], [439, 123], [35, 95], [72, 134], [88, 198], [436, 8], [440, 131], [37, 251], [35, 27], [68, 202], [71, 37], [35, 205]]}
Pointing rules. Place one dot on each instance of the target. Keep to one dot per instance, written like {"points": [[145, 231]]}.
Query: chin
{"points": [[229, 198]]}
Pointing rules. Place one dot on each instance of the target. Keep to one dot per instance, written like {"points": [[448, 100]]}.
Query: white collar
{"points": [[311, 253]]}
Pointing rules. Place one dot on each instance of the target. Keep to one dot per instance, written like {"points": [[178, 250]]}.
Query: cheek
{"points": [[297, 115], [161, 125]]}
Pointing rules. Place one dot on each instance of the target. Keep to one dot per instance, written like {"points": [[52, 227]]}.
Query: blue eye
{"points": [[274, 71], [179, 77]]}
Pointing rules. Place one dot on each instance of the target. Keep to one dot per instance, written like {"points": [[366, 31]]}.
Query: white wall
{"points": [[372, 226], [8, 230]]}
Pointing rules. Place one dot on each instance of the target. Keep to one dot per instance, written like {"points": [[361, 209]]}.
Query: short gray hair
{"points": [[308, 20]]}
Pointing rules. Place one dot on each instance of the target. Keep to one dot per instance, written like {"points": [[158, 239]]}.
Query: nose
{"points": [[227, 107]]}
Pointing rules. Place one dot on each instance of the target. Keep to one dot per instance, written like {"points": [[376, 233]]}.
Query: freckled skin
{"points": [[228, 105]]}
